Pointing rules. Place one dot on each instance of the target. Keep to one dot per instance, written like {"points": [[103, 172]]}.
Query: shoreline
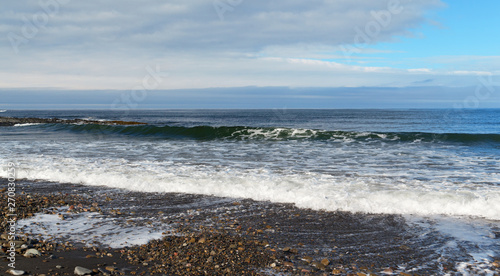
{"points": [[12, 121], [205, 233]]}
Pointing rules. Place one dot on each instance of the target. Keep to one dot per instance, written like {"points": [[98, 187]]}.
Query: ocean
{"points": [[438, 169]]}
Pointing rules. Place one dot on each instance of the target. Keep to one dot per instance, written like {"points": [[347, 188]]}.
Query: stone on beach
{"points": [[307, 259], [32, 253], [16, 272], [82, 271], [110, 268]]}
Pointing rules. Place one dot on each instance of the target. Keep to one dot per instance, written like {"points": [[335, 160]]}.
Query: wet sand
{"points": [[205, 235]]}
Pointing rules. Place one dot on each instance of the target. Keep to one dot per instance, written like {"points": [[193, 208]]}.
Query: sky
{"points": [[222, 53]]}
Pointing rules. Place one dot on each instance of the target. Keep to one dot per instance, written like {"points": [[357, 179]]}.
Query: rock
{"points": [[307, 259], [289, 264], [110, 268], [82, 271], [337, 271], [388, 271], [59, 266], [325, 262], [496, 263], [9, 121], [103, 272], [32, 253], [16, 272], [318, 265], [202, 240]]}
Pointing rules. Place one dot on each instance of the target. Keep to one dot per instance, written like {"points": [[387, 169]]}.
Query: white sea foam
{"points": [[476, 237], [367, 193], [27, 124], [88, 228]]}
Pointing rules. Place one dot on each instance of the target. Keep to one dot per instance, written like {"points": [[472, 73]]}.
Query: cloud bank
{"points": [[110, 44]]}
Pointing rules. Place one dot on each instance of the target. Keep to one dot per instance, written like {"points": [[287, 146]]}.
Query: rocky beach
{"points": [[204, 235]]}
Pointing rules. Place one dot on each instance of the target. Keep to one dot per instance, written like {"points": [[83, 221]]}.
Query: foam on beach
{"points": [[89, 228], [317, 191]]}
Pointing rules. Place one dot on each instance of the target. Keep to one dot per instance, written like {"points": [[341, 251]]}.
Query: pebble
{"points": [[318, 265], [110, 268], [82, 271], [288, 264], [219, 254], [103, 272], [16, 272], [307, 259], [388, 271], [337, 271], [32, 253]]}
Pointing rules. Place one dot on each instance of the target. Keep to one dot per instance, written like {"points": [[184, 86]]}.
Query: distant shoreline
{"points": [[12, 121]]}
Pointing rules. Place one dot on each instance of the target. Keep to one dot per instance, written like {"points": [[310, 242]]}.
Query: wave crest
{"points": [[269, 133]]}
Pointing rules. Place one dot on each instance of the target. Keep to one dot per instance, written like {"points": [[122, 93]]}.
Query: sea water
{"points": [[438, 165]]}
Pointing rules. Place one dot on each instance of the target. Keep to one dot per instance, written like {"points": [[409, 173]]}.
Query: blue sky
{"points": [[127, 46], [458, 29]]}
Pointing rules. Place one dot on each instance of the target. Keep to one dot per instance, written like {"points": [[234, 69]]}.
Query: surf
{"points": [[266, 133]]}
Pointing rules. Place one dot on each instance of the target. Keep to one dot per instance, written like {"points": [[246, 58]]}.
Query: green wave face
{"points": [[269, 133]]}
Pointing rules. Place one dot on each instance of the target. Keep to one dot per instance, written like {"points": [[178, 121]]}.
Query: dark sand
{"points": [[220, 236]]}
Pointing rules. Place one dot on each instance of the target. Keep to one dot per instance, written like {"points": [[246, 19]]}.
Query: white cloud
{"points": [[420, 70], [108, 44], [251, 25]]}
